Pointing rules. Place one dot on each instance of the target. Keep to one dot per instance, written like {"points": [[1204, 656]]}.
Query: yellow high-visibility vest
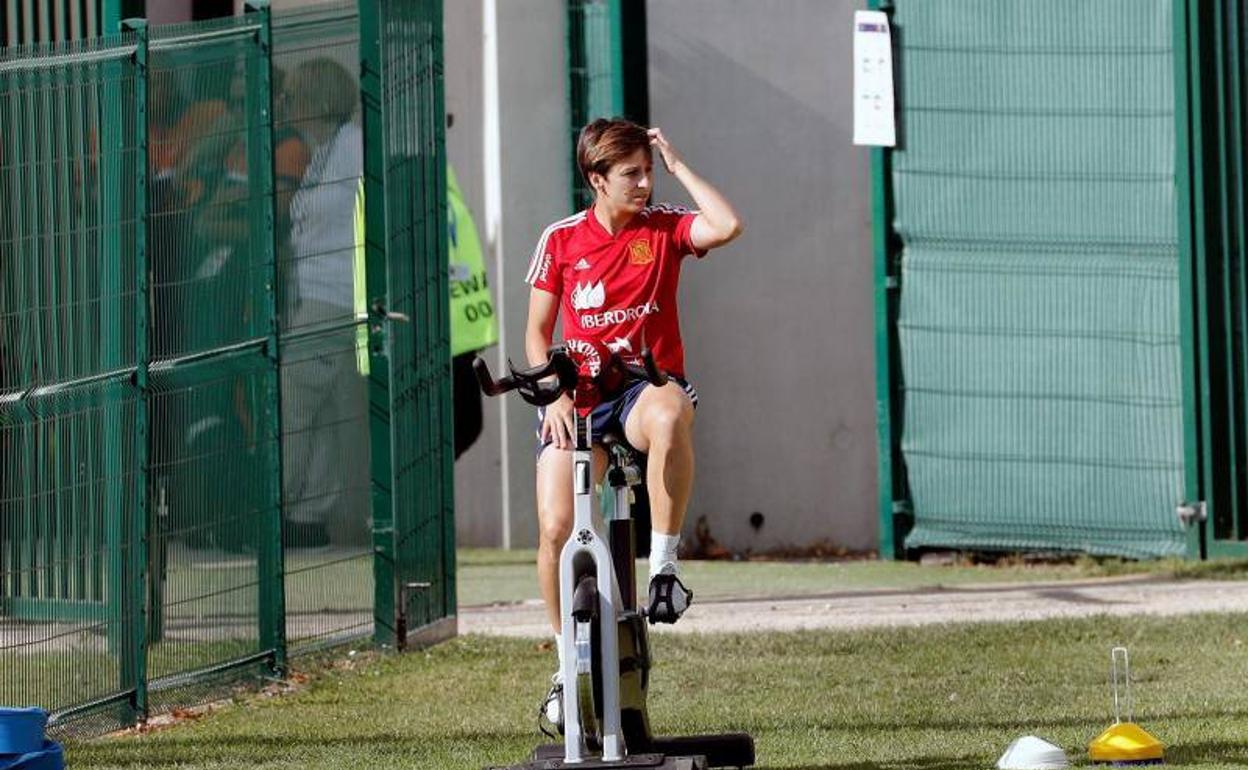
{"points": [[359, 280], [474, 325]]}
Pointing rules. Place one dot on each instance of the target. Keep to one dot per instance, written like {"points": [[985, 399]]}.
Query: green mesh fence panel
{"points": [[410, 361], [68, 627], [319, 165], [423, 459], [184, 411], [71, 561], [1038, 328], [595, 75], [45, 21], [1219, 221], [214, 453]]}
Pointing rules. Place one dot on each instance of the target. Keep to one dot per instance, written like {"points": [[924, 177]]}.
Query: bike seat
{"points": [[623, 460], [611, 439]]}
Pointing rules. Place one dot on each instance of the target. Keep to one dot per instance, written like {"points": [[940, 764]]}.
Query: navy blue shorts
{"points": [[610, 416]]}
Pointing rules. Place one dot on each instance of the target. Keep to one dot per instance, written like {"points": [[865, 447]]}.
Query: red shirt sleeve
{"points": [[682, 235], [544, 271]]}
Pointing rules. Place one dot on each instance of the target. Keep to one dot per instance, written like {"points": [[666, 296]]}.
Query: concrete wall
{"points": [[494, 479], [757, 95], [478, 472], [168, 11]]}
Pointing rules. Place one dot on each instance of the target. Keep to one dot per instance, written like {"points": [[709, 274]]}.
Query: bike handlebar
{"points": [[531, 388], [648, 371]]}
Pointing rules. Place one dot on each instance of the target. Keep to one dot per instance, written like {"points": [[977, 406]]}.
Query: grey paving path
{"points": [[885, 607]]}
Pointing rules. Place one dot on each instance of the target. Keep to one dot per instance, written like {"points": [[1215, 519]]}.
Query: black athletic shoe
{"points": [[668, 599], [551, 711]]}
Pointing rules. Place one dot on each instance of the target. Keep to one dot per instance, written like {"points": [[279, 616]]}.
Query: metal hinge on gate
{"points": [[404, 595], [1190, 513]]}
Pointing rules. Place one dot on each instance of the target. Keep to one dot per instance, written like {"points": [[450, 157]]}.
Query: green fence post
{"points": [[1192, 242], [616, 36], [886, 286], [441, 328], [371, 90], [892, 493], [576, 97], [110, 573], [45, 153], [137, 573], [594, 53], [110, 576], [261, 177], [9, 575], [1234, 252]]}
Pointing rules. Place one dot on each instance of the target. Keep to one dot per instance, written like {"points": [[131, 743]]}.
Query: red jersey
{"points": [[619, 290]]}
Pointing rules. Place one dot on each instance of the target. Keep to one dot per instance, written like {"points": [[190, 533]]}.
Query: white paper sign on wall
{"points": [[875, 122]]}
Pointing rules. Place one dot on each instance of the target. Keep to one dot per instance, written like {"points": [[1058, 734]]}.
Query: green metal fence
{"points": [[410, 376], [1038, 333], [26, 22], [1212, 172], [329, 591], [595, 74], [187, 490], [73, 233]]}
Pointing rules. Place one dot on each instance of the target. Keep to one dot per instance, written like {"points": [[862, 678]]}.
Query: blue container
{"points": [[21, 730], [48, 757]]}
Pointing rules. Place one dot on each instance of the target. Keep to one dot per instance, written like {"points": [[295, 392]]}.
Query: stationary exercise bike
{"points": [[606, 651]]}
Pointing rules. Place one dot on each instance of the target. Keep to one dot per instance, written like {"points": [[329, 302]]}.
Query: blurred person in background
{"points": [[324, 408], [225, 204], [474, 327]]}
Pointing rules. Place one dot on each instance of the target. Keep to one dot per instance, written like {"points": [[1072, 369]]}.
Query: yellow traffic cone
{"points": [[1125, 743]]}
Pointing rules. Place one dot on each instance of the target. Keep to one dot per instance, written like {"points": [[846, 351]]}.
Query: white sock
{"points": [[663, 553], [559, 650]]}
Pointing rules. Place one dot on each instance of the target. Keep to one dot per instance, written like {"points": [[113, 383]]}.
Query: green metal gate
{"points": [[1213, 174], [1028, 268], [409, 323]]}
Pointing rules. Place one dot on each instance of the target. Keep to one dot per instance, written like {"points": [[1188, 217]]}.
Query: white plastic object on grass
{"points": [[1032, 753]]}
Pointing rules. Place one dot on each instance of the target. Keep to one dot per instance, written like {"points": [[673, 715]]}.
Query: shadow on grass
{"points": [[854, 724], [245, 751], [919, 763], [1219, 752], [1201, 753], [183, 751]]}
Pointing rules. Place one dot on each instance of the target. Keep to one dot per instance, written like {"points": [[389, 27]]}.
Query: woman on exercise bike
{"points": [[612, 271]]}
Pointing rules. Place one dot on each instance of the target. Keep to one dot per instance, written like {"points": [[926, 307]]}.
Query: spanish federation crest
{"points": [[639, 252]]}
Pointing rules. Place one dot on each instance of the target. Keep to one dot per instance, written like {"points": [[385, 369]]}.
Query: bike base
{"points": [[550, 757]]}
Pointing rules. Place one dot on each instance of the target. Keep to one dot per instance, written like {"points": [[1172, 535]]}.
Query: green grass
{"points": [[493, 576], [928, 698], [57, 680]]}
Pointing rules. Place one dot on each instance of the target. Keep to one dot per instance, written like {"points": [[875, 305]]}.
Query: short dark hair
{"points": [[603, 143], [324, 89]]}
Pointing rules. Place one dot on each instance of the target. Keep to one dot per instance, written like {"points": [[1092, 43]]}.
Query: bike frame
{"points": [[586, 551]]}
